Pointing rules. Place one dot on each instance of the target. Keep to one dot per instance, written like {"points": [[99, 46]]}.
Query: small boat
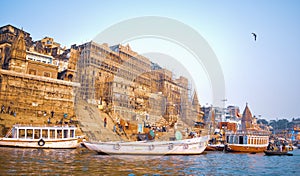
{"points": [[280, 153], [215, 147], [191, 146], [246, 142], [27, 136]]}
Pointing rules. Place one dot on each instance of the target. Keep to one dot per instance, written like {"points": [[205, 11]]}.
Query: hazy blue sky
{"points": [[264, 73]]}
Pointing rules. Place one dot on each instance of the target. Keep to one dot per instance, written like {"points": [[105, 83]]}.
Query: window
{"points": [[47, 74], [29, 133], [32, 72], [72, 132], [241, 140], [44, 133], [37, 134], [22, 133]]}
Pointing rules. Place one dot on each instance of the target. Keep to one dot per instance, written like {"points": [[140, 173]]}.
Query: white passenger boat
{"points": [[181, 147], [247, 142], [41, 137]]}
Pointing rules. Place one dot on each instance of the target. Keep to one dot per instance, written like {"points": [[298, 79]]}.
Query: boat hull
{"points": [[278, 153], [184, 147], [245, 148], [38, 143], [215, 147]]}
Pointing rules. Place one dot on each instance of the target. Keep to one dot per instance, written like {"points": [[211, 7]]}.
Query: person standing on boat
{"points": [[105, 122]]}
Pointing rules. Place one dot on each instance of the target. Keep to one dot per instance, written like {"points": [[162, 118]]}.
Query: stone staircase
{"points": [[91, 122]]}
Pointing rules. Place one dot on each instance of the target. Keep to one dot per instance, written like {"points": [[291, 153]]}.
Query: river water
{"points": [[16, 161]]}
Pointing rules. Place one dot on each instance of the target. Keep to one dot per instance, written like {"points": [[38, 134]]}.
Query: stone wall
{"points": [[31, 95]]}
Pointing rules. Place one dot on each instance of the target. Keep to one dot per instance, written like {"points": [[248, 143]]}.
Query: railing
{"points": [[45, 125], [259, 133]]}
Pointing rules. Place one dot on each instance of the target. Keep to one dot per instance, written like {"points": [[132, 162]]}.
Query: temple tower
{"points": [[247, 118], [17, 61]]}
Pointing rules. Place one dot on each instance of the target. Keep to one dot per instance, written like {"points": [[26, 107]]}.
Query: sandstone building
{"points": [[29, 83], [41, 76], [132, 87]]}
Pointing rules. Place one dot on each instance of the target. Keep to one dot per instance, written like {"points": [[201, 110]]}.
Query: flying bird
{"points": [[254, 35]]}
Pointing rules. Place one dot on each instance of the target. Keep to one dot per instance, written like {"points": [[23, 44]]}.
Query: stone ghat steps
{"points": [[91, 122]]}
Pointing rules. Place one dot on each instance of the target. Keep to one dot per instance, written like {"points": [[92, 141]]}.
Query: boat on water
{"points": [[246, 135], [215, 147], [28, 136], [247, 141], [191, 146], [277, 153]]}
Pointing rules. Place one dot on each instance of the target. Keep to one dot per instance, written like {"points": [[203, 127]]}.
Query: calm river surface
{"points": [[16, 161]]}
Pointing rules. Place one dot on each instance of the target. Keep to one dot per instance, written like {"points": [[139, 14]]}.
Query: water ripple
{"points": [[15, 161]]}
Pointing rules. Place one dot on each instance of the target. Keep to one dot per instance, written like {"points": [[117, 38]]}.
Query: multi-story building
{"points": [[40, 76], [131, 86], [29, 82]]}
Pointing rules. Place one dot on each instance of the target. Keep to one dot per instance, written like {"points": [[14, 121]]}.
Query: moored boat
{"points": [[248, 142], [191, 146], [246, 136], [280, 153], [27, 136], [215, 147]]}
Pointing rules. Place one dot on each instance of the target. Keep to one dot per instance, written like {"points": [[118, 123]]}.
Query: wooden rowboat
{"points": [[278, 153]]}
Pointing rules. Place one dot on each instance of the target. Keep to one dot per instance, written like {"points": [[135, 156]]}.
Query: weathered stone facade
{"points": [[29, 83], [38, 77], [33, 95], [131, 86]]}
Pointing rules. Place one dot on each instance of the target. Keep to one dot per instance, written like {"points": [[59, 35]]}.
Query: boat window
{"points": [[59, 133], [45, 133], [37, 134], [52, 134], [241, 140], [12, 133], [235, 139], [227, 139], [29, 133], [65, 133], [72, 133], [231, 139], [245, 139], [21, 133]]}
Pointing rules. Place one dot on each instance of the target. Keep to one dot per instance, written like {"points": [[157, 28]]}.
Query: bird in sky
{"points": [[254, 35]]}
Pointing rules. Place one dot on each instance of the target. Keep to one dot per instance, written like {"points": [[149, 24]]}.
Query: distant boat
{"points": [[27, 136], [272, 153], [247, 142], [191, 146], [215, 147]]}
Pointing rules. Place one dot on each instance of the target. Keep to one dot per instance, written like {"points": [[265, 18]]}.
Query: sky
{"points": [[263, 73]]}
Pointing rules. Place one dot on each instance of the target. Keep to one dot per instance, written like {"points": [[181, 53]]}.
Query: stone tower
{"points": [[247, 118], [17, 60], [197, 107]]}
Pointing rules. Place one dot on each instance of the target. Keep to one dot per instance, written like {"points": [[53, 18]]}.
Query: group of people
{"points": [[8, 111], [277, 146]]}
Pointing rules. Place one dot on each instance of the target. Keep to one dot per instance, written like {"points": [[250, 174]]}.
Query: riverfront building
{"points": [[41, 77]]}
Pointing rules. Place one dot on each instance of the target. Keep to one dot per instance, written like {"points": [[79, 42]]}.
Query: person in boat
{"points": [[283, 147], [270, 146]]}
